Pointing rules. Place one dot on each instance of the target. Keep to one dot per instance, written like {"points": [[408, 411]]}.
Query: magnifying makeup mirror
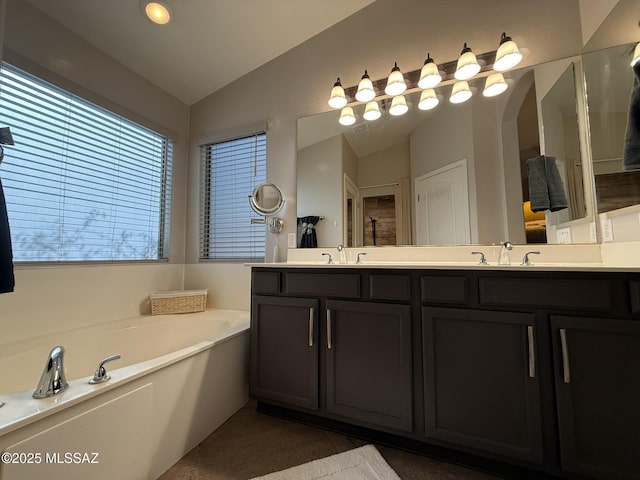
{"points": [[266, 199]]}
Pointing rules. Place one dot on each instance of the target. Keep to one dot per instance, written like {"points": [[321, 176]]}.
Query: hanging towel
{"points": [[7, 281], [546, 190], [538, 189], [631, 151], [308, 239], [557, 196]]}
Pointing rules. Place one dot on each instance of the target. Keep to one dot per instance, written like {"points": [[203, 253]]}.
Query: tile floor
{"points": [[250, 444]]}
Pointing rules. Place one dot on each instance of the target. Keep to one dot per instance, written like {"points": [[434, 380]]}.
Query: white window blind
{"points": [[230, 171], [81, 183]]}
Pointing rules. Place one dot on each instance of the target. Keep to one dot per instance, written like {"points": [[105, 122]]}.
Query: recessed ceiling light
{"points": [[156, 12]]}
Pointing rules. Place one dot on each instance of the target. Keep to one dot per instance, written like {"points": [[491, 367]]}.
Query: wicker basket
{"points": [[180, 301]]}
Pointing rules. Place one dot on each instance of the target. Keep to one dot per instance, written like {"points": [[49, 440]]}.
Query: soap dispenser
{"points": [[504, 258]]}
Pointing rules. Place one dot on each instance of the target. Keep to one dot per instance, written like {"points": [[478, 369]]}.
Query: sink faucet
{"points": [[52, 380]]}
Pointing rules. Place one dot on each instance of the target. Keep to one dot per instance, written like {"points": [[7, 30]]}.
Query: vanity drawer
{"points": [[266, 282], [390, 287], [577, 293], [343, 285], [440, 289]]}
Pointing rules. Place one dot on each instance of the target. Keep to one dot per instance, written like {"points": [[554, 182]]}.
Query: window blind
{"points": [[230, 170], [81, 183]]}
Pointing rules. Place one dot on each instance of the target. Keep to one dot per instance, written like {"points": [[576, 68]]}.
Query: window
{"points": [[230, 171], [81, 183]]}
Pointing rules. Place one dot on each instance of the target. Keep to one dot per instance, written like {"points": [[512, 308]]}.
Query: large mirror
{"points": [[614, 116], [456, 174]]}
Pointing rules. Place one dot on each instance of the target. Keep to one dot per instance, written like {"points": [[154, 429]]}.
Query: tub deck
{"points": [[173, 338]]}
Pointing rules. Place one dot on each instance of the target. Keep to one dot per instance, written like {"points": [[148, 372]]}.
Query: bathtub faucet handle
{"points": [[101, 375]]}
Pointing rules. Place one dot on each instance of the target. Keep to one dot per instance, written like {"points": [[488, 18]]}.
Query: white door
{"points": [[442, 206]]}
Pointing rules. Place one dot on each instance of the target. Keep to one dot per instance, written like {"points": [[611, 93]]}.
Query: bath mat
{"points": [[364, 463]]}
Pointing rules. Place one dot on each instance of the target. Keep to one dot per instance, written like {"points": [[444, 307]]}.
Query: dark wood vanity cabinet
{"points": [[369, 364], [347, 360], [533, 370], [284, 350], [481, 387], [597, 376]]}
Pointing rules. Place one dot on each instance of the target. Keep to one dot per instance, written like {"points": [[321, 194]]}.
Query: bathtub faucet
{"points": [[101, 375], [52, 380]]}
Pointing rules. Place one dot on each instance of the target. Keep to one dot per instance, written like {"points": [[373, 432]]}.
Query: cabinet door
{"points": [[368, 354], [597, 369], [284, 350], [481, 386]]}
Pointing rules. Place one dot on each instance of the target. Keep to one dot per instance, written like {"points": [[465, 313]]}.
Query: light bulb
{"points": [[371, 111], [495, 85], [429, 75], [508, 55], [347, 116], [157, 12], [398, 106], [461, 92], [467, 65], [337, 99], [395, 83], [428, 99], [365, 92]]}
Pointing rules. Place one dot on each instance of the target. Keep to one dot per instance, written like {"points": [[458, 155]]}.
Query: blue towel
{"points": [[631, 151], [7, 281], [546, 190]]}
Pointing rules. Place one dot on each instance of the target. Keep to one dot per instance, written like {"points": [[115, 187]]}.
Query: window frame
{"points": [[206, 224], [164, 162]]}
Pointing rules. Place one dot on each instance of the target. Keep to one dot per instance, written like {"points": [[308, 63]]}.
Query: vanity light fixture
{"points": [[508, 55], [371, 111], [494, 85], [365, 92], [429, 75], [428, 99], [467, 65], [347, 117], [398, 106], [337, 99], [636, 55], [157, 12], [395, 83], [461, 92]]}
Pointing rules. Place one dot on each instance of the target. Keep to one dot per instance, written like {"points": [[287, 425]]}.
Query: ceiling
{"points": [[207, 45]]}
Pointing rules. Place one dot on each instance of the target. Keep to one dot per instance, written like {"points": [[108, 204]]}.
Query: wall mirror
{"points": [[388, 182], [609, 82]]}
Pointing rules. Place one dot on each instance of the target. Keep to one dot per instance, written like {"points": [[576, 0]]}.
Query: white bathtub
{"points": [[179, 378]]}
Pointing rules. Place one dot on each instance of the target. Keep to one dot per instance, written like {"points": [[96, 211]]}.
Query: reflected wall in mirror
{"points": [[609, 82], [382, 164]]}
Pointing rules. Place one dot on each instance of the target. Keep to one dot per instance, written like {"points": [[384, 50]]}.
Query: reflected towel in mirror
{"points": [[546, 190], [308, 237], [631, 151]]}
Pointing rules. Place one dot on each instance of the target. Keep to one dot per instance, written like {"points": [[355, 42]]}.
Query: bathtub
{"points": [[179, 378]]}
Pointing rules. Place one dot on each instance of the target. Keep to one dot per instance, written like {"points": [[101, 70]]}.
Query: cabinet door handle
{"points": [[532, 352], [565, 355], [311, 315], [328, 329]]}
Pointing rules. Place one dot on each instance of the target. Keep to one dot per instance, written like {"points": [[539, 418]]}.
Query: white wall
{"points": [[62, 297], [385, 166], [320, 170]]}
